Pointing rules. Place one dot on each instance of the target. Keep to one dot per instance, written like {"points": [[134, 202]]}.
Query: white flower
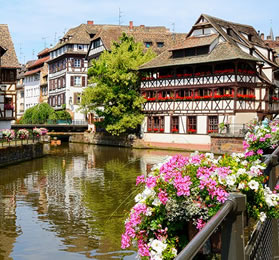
{"points": [[244, 163], [148, 193], [158, 246], [230, 180], [149, 211], [174, 252], [253, 185], [209, 156], [241, 185], [156, 202], [139, 198], [240, 172], [262, 216]]}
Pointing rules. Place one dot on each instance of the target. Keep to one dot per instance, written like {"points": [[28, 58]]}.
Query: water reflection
{"points": [[70, 204]]}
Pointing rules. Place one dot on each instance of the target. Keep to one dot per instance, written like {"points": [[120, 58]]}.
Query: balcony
{"points": [[205, 79]]}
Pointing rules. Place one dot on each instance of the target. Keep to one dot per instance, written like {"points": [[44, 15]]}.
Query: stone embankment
{"points": [[220, 143], [20, 153]]}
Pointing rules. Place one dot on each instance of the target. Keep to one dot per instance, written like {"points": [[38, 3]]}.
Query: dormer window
{"points": [[80, 47], [190, 52], [96, 43], [250, 37], [147, 44], [160, 44], [229, 31]]}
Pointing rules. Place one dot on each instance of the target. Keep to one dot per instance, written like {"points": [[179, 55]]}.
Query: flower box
{"points": [[174, 130], [192, 131]]}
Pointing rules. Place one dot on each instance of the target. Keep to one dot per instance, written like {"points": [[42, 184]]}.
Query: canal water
{"points": [[70, 204]]}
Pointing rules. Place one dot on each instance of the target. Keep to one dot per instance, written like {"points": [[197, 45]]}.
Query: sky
{"points": [[36, 24]]}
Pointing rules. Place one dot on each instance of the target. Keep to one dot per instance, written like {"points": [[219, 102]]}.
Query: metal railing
{"points": [[17, 141], [264, 240]]}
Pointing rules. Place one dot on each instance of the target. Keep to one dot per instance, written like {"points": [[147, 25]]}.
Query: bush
{"points": [[38, 114]]}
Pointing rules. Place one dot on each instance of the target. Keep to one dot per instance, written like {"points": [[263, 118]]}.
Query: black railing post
{"points": [[233, 231]]}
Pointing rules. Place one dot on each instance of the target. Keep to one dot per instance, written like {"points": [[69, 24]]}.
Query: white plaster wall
{"points": [[243, 118], [243, 48], [182, 124], [201, 124], [177, 138], [213, 44], [31, 94], [268, 73], [167, 124], [263, 51], [5, 124]]}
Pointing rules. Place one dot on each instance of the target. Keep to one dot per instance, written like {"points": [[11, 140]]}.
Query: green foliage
{"points": [[60, 115], [114, 94], [38, 114]]}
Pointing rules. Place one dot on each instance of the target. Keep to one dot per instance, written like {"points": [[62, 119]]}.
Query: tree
{"points": [[38, 114], [114, 94], [60, 115]]}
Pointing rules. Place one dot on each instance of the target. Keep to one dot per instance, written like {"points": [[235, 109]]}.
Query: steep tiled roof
{"points": [[9, 59], [223, 51], [196, 42], [31, 72], [78, 35], [38, 62], [111, 33]]}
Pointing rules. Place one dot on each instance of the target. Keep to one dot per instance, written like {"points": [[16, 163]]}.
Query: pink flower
{"points": [[125, 241], [140, 179], [267, 136], [245, 145], [143, 248], [276, 187], [262, 139], [182, 184], [250, 153], [151, 182], [163, 197], [260, 151], [200, 224]]}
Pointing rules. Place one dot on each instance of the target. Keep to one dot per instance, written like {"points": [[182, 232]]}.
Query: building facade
{"points": [[35, 87], [222, 72], [8, 67]]}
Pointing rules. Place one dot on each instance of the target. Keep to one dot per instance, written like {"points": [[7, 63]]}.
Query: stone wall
{"points": [[226, 144], [101, 139], [15, 154]]}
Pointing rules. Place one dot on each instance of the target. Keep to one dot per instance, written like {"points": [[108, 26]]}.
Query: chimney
{"points": [[262, 36], [131, 25], [277, 38], [141, 26], [268, 37], [90, 22]]}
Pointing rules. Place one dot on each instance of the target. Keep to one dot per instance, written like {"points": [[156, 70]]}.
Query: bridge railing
{"points": [[263, 243]]}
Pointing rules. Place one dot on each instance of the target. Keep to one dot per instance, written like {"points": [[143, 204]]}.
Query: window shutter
{"points": [[72, 80], [82, 63], [83, 81]]}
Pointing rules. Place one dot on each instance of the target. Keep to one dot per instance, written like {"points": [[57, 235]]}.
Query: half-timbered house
{"points": [[34, 79], [8, 66], [222, 72], [68, 68]]}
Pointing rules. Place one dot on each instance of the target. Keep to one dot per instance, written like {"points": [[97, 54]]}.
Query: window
{"points": [[212, 124], [160, 44], [148, 44], [156, 124], [80, 47], [77, 63], [96, 43], [192, 124], [77, 80], [22, 94], [174, 124]]}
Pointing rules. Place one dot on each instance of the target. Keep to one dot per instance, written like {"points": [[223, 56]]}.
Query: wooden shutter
{"points": [[72, 80], [83, 81], [75, 98], [82, 63]]}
